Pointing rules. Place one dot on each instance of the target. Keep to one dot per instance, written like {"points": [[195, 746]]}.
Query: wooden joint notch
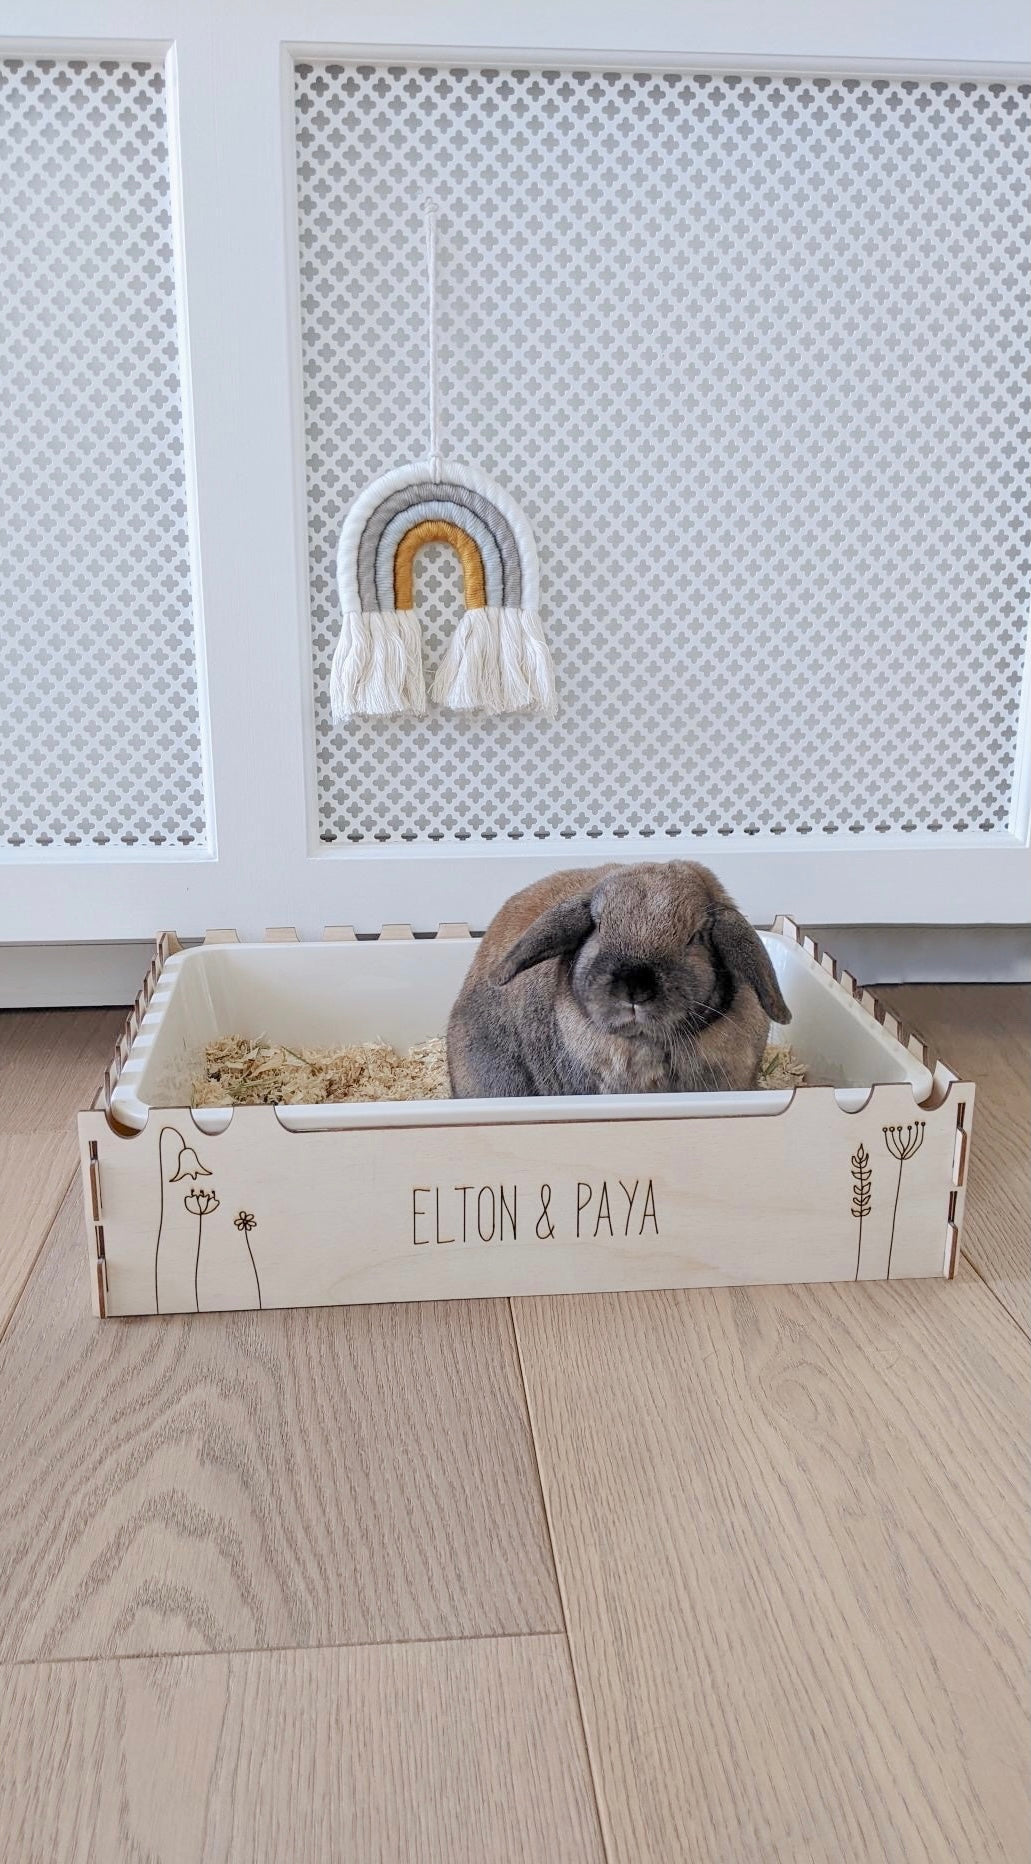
{"points": [[94, 1183], [97, 1215], [872, 1005], [951, 1250], [959, 1157], [281, 935], [449, 928], [101, 1255], [221, 935], [894, 1028], [396, 932], [959, 1172]]}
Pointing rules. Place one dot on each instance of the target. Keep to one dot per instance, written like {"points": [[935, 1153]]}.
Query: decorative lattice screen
{"points": [[99, 728], [750, 353]]}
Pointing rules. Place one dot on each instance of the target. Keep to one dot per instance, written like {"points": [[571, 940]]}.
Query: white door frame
{"points": [[230, 120]]}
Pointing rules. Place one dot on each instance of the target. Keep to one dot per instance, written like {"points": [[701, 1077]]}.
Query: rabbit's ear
{"points": [[746, 957], [557, 933]]}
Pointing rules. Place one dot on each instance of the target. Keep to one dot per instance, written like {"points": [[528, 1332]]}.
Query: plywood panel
{"points": [[261, 1479], [466, 1752], [424, 1212]]}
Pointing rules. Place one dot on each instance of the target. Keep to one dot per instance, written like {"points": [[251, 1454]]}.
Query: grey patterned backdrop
{"points": [[751, 354], [99, 726]]}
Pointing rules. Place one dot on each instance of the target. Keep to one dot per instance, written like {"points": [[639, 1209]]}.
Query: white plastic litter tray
{"points": [[401, 991]]}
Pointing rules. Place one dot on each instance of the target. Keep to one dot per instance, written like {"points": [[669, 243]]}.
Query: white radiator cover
{"points": [[100, 731], [750, 352]]}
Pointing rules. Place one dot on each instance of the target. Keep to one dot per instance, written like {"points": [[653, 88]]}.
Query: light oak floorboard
{"points": [[35, 1172], [464, 1753], [51, 1063], [790, 1528], [328, 1476], [983, 1031]]}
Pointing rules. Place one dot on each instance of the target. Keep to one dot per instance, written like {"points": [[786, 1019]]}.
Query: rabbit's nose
{"points": [[635, 983]]}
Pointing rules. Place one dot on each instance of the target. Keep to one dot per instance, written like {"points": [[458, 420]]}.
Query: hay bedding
{"points": [[240, 1071]]}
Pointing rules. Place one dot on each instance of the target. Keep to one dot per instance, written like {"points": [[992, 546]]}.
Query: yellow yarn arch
{"points": [[439, 531]]}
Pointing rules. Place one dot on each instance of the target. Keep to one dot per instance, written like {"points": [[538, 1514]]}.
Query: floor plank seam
{"points": [[607, 1838], [996, 1296], [31, 1269], [277, 1650]]}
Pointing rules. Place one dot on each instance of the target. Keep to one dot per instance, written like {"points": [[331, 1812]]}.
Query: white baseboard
{"points": [[82, 976], [64, 977], [931, 954]]}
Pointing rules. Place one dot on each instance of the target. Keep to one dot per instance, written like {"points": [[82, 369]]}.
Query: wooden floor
{"points": [[736, 1576]]}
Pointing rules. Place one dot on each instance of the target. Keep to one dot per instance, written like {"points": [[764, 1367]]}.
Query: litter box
{"points": [[856, 1177]]}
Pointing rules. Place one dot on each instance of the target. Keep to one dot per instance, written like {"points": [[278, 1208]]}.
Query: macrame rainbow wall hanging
{"points": [[498, 660]]}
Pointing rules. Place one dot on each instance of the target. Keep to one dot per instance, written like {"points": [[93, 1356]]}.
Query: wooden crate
{"points": [[180, 1219]]}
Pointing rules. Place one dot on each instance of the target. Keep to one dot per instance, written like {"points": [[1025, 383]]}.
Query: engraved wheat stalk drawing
{"points": [[862, 1179], [902, 1142]]}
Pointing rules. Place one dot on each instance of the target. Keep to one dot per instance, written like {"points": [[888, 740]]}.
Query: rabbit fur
{"points": [[615, 980]]}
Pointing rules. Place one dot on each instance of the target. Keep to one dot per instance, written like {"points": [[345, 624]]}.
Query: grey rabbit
{"points": [[615, 980]]}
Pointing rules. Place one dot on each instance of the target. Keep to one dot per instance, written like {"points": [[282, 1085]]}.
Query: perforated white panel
{"points": [[99, 727], [749, 352]]}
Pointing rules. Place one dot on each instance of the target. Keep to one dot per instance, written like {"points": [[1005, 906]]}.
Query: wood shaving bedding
{"points": [[244, 1071]]}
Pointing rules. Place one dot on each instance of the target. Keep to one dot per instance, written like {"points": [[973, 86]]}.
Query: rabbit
{"points": [[615, 980]]}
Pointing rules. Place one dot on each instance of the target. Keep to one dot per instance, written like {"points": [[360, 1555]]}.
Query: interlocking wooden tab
{"points": [[221, 935]]}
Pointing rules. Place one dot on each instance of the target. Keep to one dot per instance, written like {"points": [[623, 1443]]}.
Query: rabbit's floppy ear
{"points": [[746, 957], [556, 933]]}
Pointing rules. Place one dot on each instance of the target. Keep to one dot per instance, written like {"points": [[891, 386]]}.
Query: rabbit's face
{"points": [[654, 952], [647, 967]]}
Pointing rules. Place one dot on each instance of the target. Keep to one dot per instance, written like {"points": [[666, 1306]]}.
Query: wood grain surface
{"points": [[51, 1063], [459, 1753], [341, 1476], [984, 1033], [790, 1527]]}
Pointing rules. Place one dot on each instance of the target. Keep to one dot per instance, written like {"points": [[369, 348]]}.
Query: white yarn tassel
{"points": [[469, 676], [377, 667], [527, 673], [497, 661]]}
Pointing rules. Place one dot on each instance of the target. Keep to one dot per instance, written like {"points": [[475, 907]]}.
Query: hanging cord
{"points": [[431, 218]]}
